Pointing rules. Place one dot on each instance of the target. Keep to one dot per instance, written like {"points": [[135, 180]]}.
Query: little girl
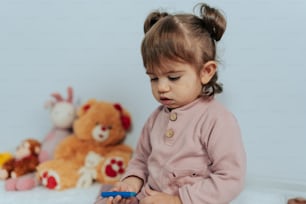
{"points": [[190, 150]]}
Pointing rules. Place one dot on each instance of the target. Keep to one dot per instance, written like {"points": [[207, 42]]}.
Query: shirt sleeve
{"points": [[138, 164], [228, 164]]}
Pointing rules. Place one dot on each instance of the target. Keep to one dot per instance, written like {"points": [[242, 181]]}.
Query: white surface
{"points": [[94, 46], [259, 192], [45, 196], [254, 197], [270, 191]]}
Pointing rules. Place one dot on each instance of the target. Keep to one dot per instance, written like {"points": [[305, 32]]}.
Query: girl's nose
{"points": [[163, 86]]}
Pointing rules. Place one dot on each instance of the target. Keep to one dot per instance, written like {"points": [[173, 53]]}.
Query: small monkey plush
{"points": [[25, 160]]}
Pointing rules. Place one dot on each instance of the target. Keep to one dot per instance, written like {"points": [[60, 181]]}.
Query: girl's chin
{"points": [[170, 106]]}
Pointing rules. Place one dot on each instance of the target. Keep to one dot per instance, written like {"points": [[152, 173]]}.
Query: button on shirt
{"points": [[194, 152], [170, 133], [173, 116]]}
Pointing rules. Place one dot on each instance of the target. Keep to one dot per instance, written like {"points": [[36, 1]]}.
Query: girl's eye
{"points": [[173, 78], [153, 78]]}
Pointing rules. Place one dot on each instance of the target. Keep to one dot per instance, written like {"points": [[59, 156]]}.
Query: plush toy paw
{"points": [[58, 174], [3, 174], [13, 174], [50, 179], [10, 184], [113, 167], [22, 183]]}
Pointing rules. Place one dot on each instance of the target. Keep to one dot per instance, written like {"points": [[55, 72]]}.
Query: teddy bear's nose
{"points": [[103, 128]]}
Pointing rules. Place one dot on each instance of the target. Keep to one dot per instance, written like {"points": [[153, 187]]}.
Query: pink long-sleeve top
{"points": [[195, 152]]}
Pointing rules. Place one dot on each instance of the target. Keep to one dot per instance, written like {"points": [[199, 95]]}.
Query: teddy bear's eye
{"points": [[97, 123], [110, 127]]}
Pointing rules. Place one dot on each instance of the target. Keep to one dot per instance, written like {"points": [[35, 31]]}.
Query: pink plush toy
{"points": [[63, 113]]}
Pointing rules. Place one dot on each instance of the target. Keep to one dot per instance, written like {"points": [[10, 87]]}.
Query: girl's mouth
{"points": [[166, 101]]}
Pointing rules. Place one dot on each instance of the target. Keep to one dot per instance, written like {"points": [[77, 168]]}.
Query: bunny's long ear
{"points": [[57, 97], [70, 94]]}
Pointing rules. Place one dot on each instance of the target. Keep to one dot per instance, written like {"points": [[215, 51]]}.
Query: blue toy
{"points": [[124, 194]]}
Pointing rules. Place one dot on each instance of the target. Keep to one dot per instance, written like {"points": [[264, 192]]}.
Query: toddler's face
{"points": [[177, 86]]}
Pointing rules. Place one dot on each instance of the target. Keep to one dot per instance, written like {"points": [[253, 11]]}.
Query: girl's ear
{"points": [[208, 71]]}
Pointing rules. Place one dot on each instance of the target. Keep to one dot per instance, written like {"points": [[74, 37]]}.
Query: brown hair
{"points": [[184, 38]]}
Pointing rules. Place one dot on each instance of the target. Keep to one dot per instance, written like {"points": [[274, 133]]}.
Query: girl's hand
{"points": [[131, 184], [155, 197]]}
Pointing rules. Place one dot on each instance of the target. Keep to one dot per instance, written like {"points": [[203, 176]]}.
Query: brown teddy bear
{"points": [[94, 152]]}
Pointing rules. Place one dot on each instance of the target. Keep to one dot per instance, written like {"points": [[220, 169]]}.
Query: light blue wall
{"points": [[94, 46]]}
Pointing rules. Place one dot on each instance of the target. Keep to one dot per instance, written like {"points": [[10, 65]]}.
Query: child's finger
{"points": [[118, 187], [117, 199], [109, 200]]}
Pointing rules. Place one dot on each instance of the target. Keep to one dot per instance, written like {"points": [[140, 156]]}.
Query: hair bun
{"points": [[152, 19], [214, 21]]}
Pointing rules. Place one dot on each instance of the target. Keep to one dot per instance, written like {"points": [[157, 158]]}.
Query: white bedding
{"points": [[253, 194], [42, 195]]}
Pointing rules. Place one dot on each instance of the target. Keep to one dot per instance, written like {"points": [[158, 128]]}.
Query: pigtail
{"points": [[214, 21], [152, 19], [212, 87]]}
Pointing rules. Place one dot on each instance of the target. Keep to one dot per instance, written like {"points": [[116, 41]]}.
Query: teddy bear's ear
{"points": [[84, 108], [126, 121], [124, 116]]}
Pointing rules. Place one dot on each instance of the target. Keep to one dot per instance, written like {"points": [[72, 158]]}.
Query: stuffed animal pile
{"points": [[63, 114], [94, 152]]}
